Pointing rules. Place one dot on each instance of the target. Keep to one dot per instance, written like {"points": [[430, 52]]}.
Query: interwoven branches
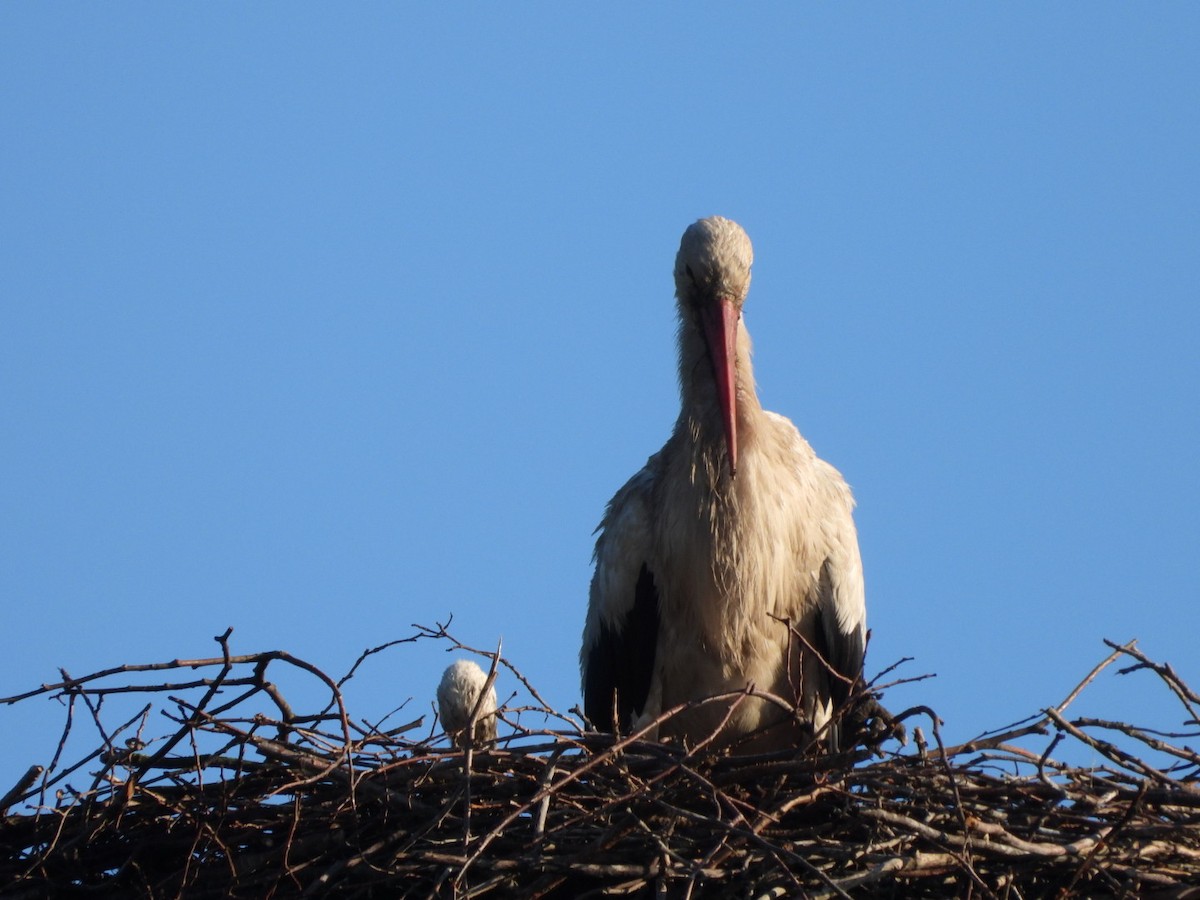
{"points": [[245, 797]]}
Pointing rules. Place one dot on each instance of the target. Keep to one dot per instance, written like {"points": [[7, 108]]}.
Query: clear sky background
{"points": [[317, 321]]}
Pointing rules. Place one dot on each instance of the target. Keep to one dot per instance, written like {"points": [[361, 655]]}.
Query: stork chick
{"points": [[458, 696], [731, 559]]}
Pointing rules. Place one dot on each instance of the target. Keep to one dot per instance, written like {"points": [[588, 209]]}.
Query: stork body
{"points": [[729, 533]]}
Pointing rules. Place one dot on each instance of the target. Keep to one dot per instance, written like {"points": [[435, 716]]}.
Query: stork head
{"points": [[461, 697], [712, 278]]}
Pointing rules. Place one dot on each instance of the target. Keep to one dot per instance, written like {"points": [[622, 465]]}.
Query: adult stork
{"points": [[731, 559]]}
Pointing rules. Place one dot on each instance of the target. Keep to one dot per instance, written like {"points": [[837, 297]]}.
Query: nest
{"points": [[245, 797]]}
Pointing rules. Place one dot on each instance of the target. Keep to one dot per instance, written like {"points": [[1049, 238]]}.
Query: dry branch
{"points": [[243, 797]]}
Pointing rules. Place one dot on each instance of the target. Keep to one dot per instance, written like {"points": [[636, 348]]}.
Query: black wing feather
{"points": [[844, 652], [622, 661]]}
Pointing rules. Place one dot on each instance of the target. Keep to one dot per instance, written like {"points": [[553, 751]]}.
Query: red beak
{"points": [[720, 321]]}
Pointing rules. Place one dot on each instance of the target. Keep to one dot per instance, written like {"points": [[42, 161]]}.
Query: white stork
{"points": [[459, 697], [733, 529]]}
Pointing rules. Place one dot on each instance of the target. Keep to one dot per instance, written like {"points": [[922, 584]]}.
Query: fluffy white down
{"points": [[457, 696]]}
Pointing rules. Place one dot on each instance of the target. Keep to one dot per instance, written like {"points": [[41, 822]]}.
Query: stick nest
{"points": [[244, 797]]}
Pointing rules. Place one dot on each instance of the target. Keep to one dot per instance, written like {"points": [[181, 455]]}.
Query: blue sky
{"points": [[320, 321]]}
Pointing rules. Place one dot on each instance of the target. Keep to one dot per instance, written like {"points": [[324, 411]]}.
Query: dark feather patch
{"points": [[622, 661], [844, 652]]}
